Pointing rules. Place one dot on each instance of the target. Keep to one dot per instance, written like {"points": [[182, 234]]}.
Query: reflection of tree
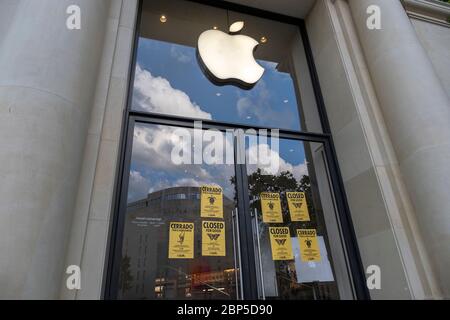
{"points": [[126, 278], [259, 182]]}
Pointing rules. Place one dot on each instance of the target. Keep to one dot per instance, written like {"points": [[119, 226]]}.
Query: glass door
{"points": [[223, 213], [298, 247], [179, 236]]}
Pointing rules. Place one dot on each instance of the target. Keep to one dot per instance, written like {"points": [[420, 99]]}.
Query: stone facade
{"points": [[62, 96]]}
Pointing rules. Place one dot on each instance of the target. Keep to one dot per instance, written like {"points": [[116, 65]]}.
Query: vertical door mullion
{"points": [[248, 271], [119, 221]]}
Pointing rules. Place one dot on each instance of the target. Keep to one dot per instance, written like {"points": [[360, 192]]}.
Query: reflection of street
{"points": [[149, 273], [202, 283]]}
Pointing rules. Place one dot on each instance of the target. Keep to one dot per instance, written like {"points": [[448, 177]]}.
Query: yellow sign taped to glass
{"points": [[211, 202], [280, 241], [298, 207], [271, 207], [213, 238], [181, 240], [309, 246]]}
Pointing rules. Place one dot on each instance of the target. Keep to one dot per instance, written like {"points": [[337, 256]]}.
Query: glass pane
{"points": [[294, 222], [169, 79], [162, 254]]}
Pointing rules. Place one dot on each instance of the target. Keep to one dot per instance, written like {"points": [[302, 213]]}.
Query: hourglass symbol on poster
{"points": [[181, 238], [308, 243], [214, 236]]}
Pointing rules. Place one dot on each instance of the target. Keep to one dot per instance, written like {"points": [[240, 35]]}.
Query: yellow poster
{"points": [[298, 207], [181, 240], [309, 246], [211, 203], [213, 238], [271, 207], [280, 241]]}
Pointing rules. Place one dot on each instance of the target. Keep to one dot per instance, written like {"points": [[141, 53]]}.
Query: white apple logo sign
{"points": [[228, 58]]}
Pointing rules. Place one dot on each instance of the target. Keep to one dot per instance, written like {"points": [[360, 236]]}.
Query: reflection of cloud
{"points": [[152, 148], [244, 106], [262, 156], [155, 94], [180, 54], [138, 186], [257, 103], [190, 182], [153, 169]]}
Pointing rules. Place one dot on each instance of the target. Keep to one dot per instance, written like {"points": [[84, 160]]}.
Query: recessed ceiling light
{"points": [[163, 18], [215, 28], [263, 39]]}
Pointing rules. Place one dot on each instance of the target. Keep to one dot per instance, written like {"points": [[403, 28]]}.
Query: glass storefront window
{"points": [[232, 227], [161, 193], [290, 273], [169, 79]]}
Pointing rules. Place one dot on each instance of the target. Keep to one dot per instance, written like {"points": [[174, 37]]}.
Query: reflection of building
{"points": [[150, 274]]}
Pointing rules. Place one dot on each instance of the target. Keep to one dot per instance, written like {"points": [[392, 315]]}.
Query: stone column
{"points": [[47, 81], [417, 114], [7, 12]]}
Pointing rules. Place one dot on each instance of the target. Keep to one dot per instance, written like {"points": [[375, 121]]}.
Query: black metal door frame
{"points": [[112, 264]]}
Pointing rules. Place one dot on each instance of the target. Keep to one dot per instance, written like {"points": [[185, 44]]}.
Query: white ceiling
{"points": [[293, 8]]}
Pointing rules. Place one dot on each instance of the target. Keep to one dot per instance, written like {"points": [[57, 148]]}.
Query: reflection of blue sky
{"points": [[291, 151], [271, 102], [170, 75], [152, 168]]}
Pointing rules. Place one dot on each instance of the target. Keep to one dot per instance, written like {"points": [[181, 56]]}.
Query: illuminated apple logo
{"points": [[228, 58]]}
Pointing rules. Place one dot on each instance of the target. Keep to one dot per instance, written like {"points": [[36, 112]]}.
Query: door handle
{"points": [[237, 254], [258, 253]]}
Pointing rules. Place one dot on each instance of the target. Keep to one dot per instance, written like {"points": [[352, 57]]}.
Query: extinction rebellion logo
{"points": [[213, 236]]}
